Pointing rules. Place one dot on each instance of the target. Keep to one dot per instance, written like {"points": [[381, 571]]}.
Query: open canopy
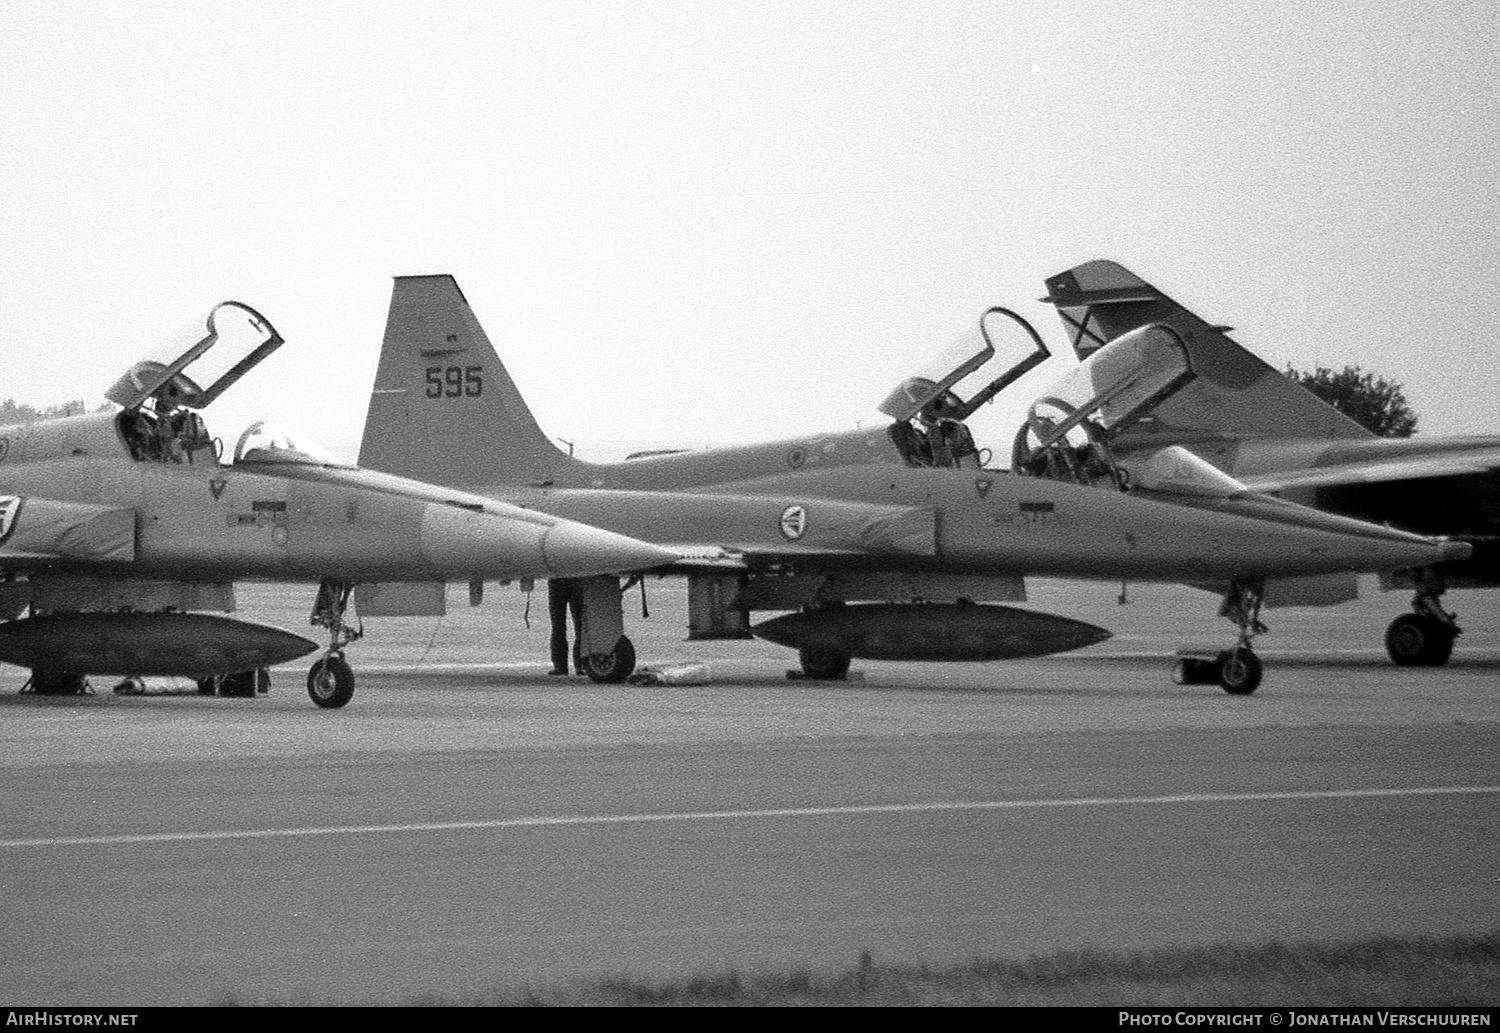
{"points": [[232, 341], [933, 383], [1115, 386]]}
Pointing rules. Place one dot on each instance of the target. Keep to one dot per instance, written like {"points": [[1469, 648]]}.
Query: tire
{"points": [[1240, 672], [609, 668], [330, 682], [824, 664], [1413, 640], [1442, 647]]}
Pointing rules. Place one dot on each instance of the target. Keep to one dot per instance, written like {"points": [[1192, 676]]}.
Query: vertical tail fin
{"points": [[444, 409], [1236, 396]]}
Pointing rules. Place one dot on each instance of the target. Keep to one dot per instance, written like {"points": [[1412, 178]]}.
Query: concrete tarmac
{"points": [[468, 822]]}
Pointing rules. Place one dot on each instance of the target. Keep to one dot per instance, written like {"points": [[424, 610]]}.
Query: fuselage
{"points": [[1432, 486], [982, 521], [203, 520]]}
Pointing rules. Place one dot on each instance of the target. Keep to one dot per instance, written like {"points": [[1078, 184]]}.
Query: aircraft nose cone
{"points": [[459, 542], [1457, 552], [1397, 550], [575, 550]]}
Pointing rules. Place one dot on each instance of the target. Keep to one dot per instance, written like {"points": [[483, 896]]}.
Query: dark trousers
{"points": [[563, 597]]}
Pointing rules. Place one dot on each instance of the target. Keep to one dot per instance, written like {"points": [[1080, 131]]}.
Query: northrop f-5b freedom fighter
{"points": [[116, 526]]}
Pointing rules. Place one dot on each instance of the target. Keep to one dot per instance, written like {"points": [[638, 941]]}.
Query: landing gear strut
{"points": [[330, 682], [1238, 670], [1424, 637]]}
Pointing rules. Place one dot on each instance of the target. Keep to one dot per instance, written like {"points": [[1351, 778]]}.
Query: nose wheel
{"points": [[330, 682], [1238, 671]]}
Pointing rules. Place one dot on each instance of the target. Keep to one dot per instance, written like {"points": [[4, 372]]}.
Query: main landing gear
{"points": [[1424, 637], [1238, 670], [609, 668], [330, 682]]}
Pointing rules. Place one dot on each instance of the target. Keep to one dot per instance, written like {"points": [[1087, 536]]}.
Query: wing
{"points": [[38, 532], [1483, 459]]}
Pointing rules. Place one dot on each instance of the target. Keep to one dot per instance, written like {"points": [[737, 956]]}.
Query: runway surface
{"points": [[468, 822]]}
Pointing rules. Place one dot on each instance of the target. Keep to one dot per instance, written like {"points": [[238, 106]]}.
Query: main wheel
{"points": [[1239, 671], [1413, 640], [610, 668], [823, 664], [330, 683]]}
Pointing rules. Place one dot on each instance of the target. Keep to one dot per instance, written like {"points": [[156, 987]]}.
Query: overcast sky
{"points": [[701, 222]]}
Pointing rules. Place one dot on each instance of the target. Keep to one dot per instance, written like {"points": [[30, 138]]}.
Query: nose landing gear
{"points": [[1237, 670], [330, 682]]}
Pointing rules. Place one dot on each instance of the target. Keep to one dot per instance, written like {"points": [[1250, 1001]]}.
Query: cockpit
{"points": [[929, 427], [268, 442], [1069, 430], [161, 420]]}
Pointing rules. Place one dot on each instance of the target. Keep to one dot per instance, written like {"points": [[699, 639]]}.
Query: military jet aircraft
{"points": [[1273, 435], [908, 523], [115, 525]]}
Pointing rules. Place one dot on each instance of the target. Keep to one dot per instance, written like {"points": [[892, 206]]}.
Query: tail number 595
{"points": [[455, 381]]}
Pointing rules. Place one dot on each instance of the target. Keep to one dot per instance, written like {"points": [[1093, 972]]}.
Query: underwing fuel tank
{"points": [[177, 644], [930, 631]]}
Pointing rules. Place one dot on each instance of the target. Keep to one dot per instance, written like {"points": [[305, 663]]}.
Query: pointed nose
{"points": [[574, 550], [459, 542], [1389, 550], [1456, 552]]}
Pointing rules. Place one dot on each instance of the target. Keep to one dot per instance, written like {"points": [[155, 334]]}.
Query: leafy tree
{"points": [[1373, 402], [12, 411]]}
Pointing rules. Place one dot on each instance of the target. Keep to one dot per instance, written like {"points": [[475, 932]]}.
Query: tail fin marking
{"points": [[444, 408]]}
